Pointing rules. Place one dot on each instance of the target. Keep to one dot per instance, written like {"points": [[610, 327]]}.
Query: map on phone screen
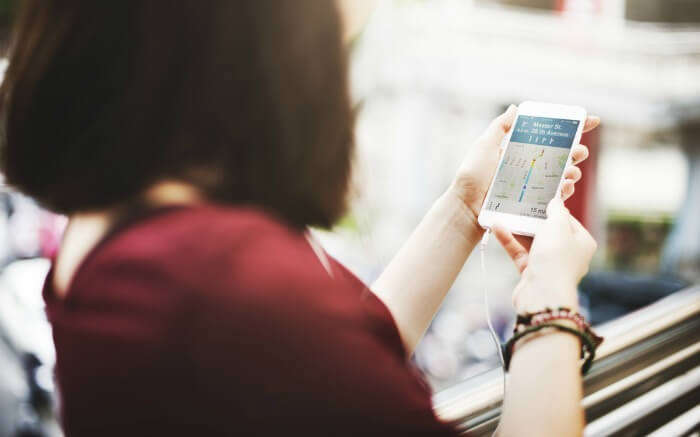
{"points": [[532, 167]]}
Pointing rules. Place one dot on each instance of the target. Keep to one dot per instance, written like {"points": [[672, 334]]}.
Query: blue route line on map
{"points": [[522, 193]]}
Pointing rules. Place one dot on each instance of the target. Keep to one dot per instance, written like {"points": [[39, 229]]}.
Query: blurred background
{"points": [[427, 77]]}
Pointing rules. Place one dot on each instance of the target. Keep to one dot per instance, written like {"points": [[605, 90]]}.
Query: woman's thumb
{"points": [[499, 126], [556, 210]]}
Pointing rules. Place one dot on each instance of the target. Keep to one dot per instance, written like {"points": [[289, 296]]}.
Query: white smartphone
{"points": [[530, 173]]}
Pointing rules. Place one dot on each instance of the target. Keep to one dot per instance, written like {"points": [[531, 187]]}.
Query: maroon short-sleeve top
{"points": [[212, 320]]}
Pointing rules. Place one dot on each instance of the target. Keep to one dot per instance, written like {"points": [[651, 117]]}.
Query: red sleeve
{"points": [[280, 347]]}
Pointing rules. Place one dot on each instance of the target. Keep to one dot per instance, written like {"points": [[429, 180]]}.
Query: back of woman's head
{"points": [[247, 100]]}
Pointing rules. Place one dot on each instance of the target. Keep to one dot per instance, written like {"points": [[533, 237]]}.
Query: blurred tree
{"points": [[7, 9]]}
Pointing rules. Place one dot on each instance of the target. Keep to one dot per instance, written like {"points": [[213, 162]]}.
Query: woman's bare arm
{"points": [[414, 284], [416, 281], [544, 388]]}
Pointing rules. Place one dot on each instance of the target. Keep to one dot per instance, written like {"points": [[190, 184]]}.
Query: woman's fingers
{"points": [[557, 212], [567, 189], [579, 154], [514, 249], [592, 122], [572, 173]]}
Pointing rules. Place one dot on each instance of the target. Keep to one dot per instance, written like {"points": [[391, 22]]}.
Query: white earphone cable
{"points": [[494, 336]]}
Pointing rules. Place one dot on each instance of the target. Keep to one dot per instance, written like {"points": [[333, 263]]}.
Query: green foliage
{"points": [[7, 9]]}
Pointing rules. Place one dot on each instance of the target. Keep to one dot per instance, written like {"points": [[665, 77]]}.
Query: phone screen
{"points": [[531, 169]]}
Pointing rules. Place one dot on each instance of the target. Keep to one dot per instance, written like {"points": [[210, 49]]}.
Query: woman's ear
{"points": [[355, 14]]}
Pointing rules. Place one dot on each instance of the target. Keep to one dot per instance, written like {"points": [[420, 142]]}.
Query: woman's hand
{"points": [[474, 176], [413, 285], [555, 263], [545, 388]]}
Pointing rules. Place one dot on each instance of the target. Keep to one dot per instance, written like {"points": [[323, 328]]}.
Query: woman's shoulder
{"points": [[205, 234], [208, 225], [219, 252]]}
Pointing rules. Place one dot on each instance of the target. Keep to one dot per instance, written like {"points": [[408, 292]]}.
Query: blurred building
{"points": [[429, 76]]}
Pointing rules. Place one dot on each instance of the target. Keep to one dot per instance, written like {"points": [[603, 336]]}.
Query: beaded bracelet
{"points": [[548, 315], [533, 322]]}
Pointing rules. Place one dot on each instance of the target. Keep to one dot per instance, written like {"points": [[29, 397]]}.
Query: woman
{"points": [[191, 144]]}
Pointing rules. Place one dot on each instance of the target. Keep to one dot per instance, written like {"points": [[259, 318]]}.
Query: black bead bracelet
{"points": [[589, 343]]}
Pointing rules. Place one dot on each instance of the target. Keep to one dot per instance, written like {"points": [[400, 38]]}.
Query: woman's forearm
{"points": [[544, 383], [417, 279], [544, 389]]}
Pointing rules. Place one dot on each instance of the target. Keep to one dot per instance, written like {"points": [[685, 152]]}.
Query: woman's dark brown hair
{"points": [[246, 99]]}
